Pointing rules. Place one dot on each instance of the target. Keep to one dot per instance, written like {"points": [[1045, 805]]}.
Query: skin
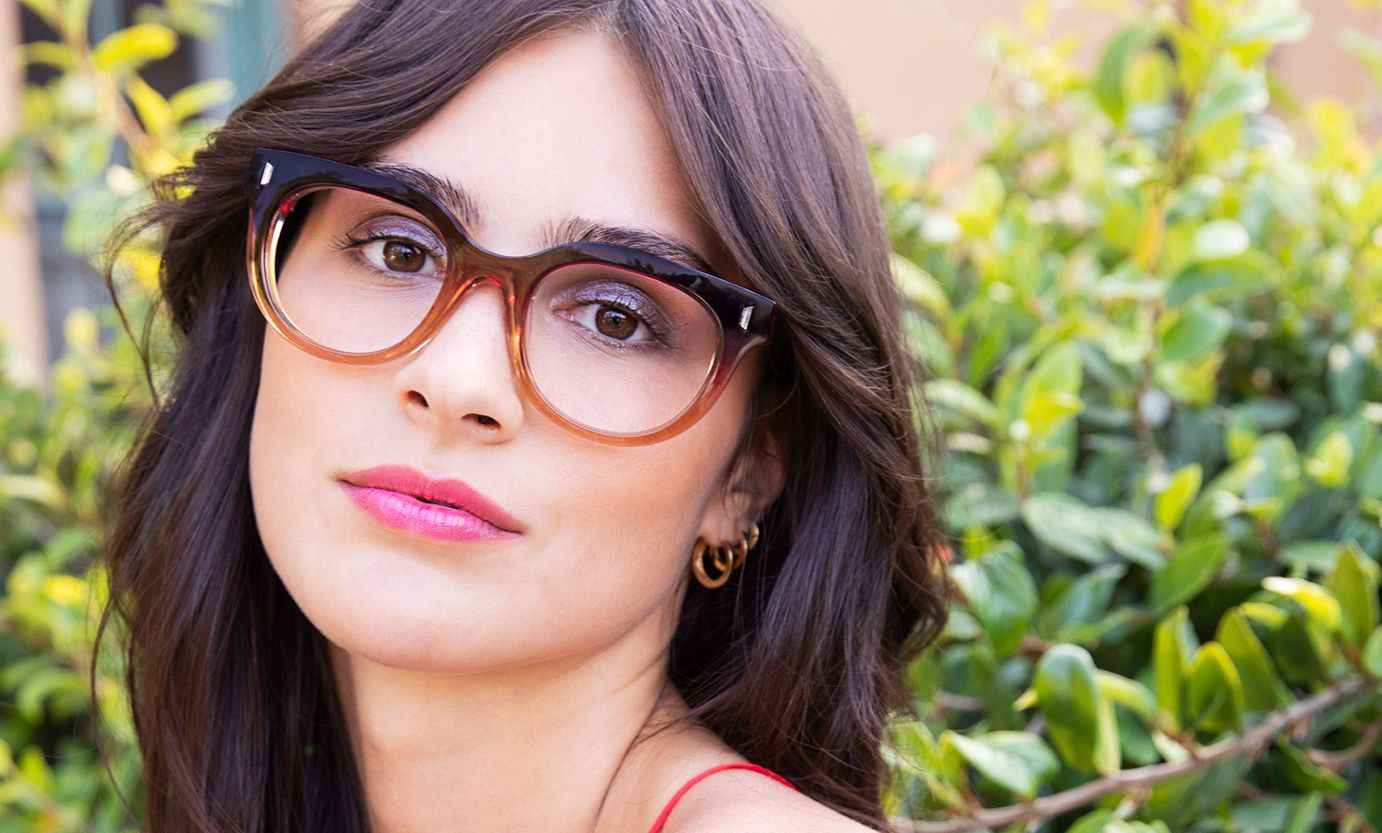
{"points": [[501, 685]]}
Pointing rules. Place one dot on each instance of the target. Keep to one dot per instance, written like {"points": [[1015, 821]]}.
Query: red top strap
{"points": [[667, 811]]}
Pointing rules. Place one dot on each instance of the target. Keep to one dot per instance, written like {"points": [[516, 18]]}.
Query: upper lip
{"points": [[410, 481]]}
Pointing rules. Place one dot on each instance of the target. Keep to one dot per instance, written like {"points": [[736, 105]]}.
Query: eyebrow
{"points": [[571, 230]]}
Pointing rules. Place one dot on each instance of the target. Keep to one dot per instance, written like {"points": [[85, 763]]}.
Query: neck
{"points": [[543, 747]]}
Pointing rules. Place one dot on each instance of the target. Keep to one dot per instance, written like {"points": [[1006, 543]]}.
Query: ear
{"points": [[755, 480]]}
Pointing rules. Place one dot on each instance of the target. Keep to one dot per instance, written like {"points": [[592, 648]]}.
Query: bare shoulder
{"points": [[740, 801]]}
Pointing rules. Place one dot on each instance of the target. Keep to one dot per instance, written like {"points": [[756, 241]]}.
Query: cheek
{"points": [[610, 530]]}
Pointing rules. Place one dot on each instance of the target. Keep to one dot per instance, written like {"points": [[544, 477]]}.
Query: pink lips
{"points": [[397, 497]]}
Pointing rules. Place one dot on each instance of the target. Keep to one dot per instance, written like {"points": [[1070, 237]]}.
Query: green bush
{"points": [[1152, 316], [61, 770]]}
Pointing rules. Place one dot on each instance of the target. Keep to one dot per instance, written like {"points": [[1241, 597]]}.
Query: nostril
{"points": [[485, 420], [414, 396]]}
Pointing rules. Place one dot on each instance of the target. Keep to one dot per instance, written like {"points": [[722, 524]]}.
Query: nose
{"points": [[461, 381]]}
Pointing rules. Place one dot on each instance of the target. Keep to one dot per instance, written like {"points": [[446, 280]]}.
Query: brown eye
{"points": [[402, 256], [615, 323]]}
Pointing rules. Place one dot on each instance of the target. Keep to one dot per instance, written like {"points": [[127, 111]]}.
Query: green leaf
{"points": [[1370, 800], [1051, 391], [1068, 695], [1094, 822], [1347, 375], [1261, 688], [1276, 23], [983, 200], [39, 687], [1269, 616], [1133, 537], [134, 46], [75, 14], [1188, 571], [1268, 813], [1322, 608], [1108, 750], [1195, 796], [199, 97], [154, 111], [1113, 68], [1320, 556], [1302, 774], [1128, 693], [1172, 501], [59, 56], [1303, 814], [1369, 479], [980, 504], [1016, 761], [1172, 646], [34, 769], [919, 753], [1296, 655], [1218, 280], [1207, 18], [1331, 461], [1001, 595], [1213, 691], [1354, 584], [1058, 371], [31, 488], [1243, 92], [1221, 239], [1278, 473], [959, 398], [1196, 332], [1066, 525], [1046, 411], [1077, 603], [1372, 654], [46, 9]]}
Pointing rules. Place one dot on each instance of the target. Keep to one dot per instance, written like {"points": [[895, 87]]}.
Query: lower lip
{"points": [[407, 513]]}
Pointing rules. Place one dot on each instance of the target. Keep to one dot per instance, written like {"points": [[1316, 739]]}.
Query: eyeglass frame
{"points": [[276, 179]]}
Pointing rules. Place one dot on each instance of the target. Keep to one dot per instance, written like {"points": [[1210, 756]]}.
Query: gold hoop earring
{"points": [[725, 558]]}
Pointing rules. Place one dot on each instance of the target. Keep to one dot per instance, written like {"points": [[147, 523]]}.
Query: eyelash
{"points": [[651, 319], [349, 241]]}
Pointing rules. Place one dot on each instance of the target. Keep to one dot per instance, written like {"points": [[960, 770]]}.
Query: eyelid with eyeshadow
{"points": [[573, 230]]}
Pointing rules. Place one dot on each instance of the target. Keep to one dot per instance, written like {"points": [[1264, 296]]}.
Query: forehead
{"points": [[558, 126]]}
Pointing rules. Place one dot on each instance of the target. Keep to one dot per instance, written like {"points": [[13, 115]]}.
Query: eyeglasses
{"points": [[360, 267]]}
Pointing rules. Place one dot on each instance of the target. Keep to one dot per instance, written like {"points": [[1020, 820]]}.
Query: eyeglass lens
{"points": [[612, 349]]}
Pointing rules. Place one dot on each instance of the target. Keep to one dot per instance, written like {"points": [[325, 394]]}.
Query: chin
{"points": [[401, 643]]}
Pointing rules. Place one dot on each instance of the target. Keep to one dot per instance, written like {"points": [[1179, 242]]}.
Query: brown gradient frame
{"points": [[277, 178]]}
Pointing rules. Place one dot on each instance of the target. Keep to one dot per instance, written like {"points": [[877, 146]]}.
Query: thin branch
{"points": [[1339, 809], [959, 702], [1338, 760], [1145, 777], [143, 147]]}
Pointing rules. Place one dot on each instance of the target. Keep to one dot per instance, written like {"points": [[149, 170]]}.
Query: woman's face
{"points": [[556, 128]]}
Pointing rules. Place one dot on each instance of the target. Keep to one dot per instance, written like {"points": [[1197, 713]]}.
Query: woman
{"points": [[432, 533]]}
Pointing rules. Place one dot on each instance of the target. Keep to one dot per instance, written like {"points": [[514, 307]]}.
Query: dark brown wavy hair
{"points": [[797, 665]]}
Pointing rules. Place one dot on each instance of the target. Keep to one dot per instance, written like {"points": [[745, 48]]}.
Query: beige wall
{"points": [[1320, 65], [917, 65], [21, 296]]}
